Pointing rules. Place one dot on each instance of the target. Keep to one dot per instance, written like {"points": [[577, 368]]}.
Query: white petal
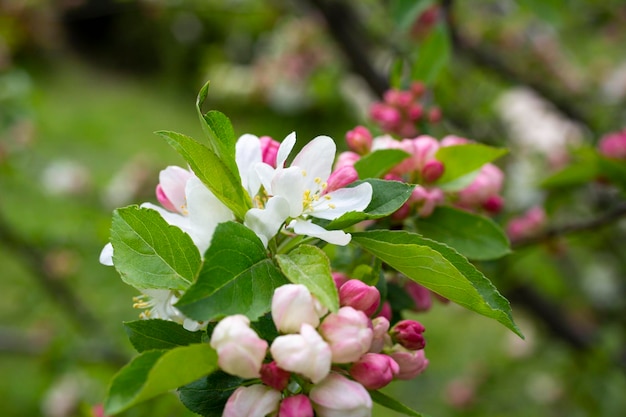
{"points": [[174, 219], [106, 256], [289, 184], [266, 174], [341, 201], [205, 213], [247, 155], [172, 180], [336, 237], [266, 222], [285, 149], [316, 158]]}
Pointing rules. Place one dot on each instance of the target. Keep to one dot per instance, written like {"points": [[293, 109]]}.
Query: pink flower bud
{"points": [[374, 370], [613, 145], [274, 376], [269, 150], [434, 115], [398, 98], [348, 333], [426, 199], [418, 89], [171, 189], [384, 114], [432, 171], [359, 296], [253, 401], [293, 305], [359, 140], [240, 350], [452, 140], [487, 183], [420, 295], [340, 279], [409, 333], [385, 311], [346, 159], [402, 213], [296, 406], [341, 177], [338, 396], [381, 338], [415, 112], [527, 224], [411, 362], [494, 204], [305, 353]]}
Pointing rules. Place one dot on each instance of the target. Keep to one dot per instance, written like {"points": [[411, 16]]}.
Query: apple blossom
{"points": [[305, 353], [411, 362], [349, 334], [613, 145], [360, 296], [487, 183], [359, 140], [296, 406], [269, 150], [374, 370], [341, 177], [409, 333], [293, 305], [381, 338], [239, 349], [338, 396], [170, 191], [254, 401]]}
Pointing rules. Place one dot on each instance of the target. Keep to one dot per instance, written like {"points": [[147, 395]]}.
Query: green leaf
{"points": [[473, 236], [440, 269], [387, 197], [460, 160], [432, 56], [156, 372], [405, 12], [578, 173], [614, 170], [219, 132], [208, 395], [308, 265], [159, 334], [393, 404], [378, 163], [237, 277], [150, 253], [212, 171]]}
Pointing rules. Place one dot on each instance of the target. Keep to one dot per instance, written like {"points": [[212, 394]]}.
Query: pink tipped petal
{"points": [[172, 181], [336, 237]]}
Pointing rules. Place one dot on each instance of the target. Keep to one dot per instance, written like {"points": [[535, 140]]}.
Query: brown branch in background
{"points": [[34, 258], [607, 218]]}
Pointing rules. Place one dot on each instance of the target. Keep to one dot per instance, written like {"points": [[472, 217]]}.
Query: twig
{"points": [[607, 218]]}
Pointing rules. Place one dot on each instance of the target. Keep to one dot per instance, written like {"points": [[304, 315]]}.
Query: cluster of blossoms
{"points": [[401, 111], [422, 167], [321, 362], [613, 145]]}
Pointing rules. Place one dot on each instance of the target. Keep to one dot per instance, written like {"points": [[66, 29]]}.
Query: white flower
{"points": [[159, 304], [299, 192]]}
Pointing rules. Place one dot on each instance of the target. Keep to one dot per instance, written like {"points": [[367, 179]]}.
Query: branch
{"points": [[607, 218]]}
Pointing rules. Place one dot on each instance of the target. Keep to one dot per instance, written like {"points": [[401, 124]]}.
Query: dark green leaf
{"points": [[378, 163], [460, 160], [212, 171], [473, 236], [150, 253], [614, 170], [308, 265], [159, 334], [237, 277], [387, 197], [208, 395], [156, 372], [393, 404], [432, 56], [440, 269], [405, 12]]}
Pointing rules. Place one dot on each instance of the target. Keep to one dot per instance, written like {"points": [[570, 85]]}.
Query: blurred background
{"points": [[84, 83]]}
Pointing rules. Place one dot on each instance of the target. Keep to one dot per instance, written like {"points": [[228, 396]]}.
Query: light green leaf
{"points": [[585, 167], [212, 171], [156, 372], [432, 56], [387, 197], [150, 253], [404, 12], [159, 334], [440, 269], [393, 404], [308, 265], [237, 277], [460, 160], [378, 163], [473, 236]]}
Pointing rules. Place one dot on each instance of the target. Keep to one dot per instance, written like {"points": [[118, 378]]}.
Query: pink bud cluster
{"points": [[527, 224], [401, 110], [331, 358], [422, 167], [613, 145]]}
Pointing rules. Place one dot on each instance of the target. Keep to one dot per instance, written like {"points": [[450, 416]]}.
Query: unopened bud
{"points": [[434, 115], [385, 311], [409, 333], [341, 177], [359, 140], [275, 377], [348, 333], [269, 150], [255, 401], [346, 159], [432, 171], [296, 406], [402, 213], [415, 111], [340, 278], [494, 204], [339, 396], [162, 198], [374, 370], [293, 305], [421, 296], [381, 337], [411, 362], [359, 296], [418, 89]]}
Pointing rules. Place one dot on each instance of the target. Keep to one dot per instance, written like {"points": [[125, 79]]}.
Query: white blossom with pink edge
{"points": [[298, 192], [338, 396], [292, 306], [349, 334], [254, 401]]}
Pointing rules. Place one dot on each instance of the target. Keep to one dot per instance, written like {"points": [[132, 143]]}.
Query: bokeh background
{"points": [[84, 83]]}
